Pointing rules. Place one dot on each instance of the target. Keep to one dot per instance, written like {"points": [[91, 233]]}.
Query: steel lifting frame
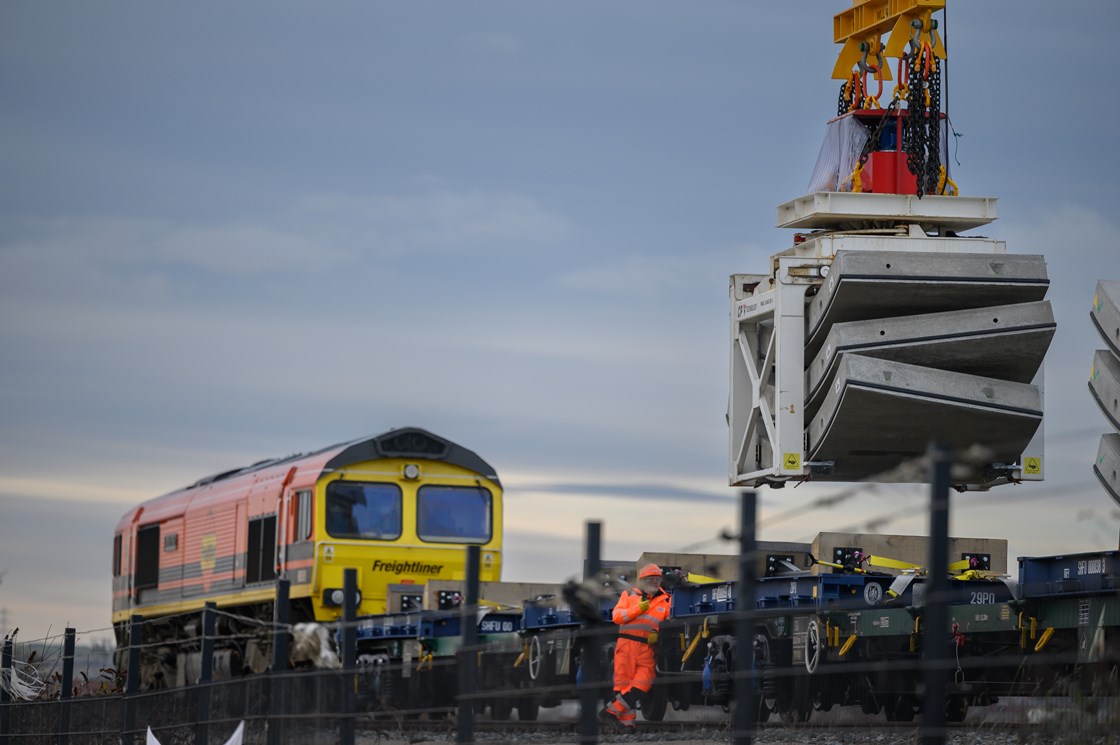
{"points": [[768, 362]]}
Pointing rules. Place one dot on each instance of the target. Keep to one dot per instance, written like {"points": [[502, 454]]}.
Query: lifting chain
{"points": [[923, 118], [851, 95], [872, 142]]}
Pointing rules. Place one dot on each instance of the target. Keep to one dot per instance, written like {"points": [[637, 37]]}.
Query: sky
{"points": [[237, 231]]}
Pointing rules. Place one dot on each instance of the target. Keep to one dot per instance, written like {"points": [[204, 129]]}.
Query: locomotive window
{"points": [[453, 514], [147, 557], [303, 515], [117, 556], [357, 509]]}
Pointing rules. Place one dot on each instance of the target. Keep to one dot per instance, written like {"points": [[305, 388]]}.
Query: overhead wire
{"points": [[912, 472]]}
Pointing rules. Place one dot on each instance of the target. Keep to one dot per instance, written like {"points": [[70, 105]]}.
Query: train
{"points": [[400, 507], [849, 635]]}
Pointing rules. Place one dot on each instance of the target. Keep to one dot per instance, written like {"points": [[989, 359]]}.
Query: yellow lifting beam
{"points": [[861, 27]]}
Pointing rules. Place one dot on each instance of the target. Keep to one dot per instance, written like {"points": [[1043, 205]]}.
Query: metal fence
{"points": [[474, 677]]}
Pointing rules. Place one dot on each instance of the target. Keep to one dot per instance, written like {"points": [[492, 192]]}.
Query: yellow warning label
{"points": [[1032, 466], [791, 462]]}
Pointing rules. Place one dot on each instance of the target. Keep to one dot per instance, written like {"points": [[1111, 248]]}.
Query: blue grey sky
{"points": [[230, 231]]}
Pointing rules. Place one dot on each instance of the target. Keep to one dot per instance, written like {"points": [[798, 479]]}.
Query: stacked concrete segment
{"points": [[1104, 382], [1008, 344], [905, 347]]}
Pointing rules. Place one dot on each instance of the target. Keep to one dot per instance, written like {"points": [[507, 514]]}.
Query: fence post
{"points": [[468, 659], [592, 642], [935, 653], [349, 654], [67, 687], [205, 676], [132, 679], [276, 687], [746, 707], [5, 697]]}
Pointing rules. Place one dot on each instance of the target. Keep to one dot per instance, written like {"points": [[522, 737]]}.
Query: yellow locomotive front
{"points": [[397, 521]]}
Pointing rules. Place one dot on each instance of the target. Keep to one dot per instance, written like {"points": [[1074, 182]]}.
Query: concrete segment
{"points": [[878, 414], [509, 594], [1106, 313], [880, 284], [726, 566], [1107, 465], [1007, 342], [911, 548], [1104, 384]]}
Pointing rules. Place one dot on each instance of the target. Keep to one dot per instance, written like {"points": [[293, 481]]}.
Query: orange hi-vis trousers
{"points": [[634, 672]]}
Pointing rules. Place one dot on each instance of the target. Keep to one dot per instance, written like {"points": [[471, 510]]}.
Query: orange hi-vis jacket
{"points": [[634, 623]]}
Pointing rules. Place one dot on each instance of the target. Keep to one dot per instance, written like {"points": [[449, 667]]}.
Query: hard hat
{"points": [[649, 570]]}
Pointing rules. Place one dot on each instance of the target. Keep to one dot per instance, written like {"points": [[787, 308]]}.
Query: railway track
{"points": [[682, 733]]}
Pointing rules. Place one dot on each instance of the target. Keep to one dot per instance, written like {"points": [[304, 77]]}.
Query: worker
{"points": [[638, 614]]}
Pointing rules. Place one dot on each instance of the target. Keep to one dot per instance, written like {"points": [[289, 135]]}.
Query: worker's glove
{"points": [[652, 638], [644, 605]]}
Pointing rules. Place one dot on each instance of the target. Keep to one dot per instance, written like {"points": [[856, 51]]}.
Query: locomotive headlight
{"points": [[336, 596], [412, 471]]}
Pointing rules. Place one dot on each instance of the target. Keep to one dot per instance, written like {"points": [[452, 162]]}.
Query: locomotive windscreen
{"points": [[453, 514], [357, 509]]}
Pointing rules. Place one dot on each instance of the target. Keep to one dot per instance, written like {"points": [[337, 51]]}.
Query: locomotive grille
{"points": [[412, 443]]}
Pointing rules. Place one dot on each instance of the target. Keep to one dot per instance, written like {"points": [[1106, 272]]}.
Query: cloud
{"points": [[138, 258], [438, 222], [669, 277]]}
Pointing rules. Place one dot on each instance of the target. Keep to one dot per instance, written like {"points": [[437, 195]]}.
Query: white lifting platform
{"points": [[847, 210], [884, 288]]}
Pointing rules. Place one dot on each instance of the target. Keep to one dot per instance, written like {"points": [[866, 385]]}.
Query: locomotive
{"points": [[399, 507]]}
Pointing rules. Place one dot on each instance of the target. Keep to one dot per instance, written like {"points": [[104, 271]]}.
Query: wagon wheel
{"points": [[500, 708], [528, 707], [654, 703]]}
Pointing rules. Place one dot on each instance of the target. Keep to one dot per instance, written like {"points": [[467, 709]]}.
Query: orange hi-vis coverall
{"points": [[634, 659]]}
